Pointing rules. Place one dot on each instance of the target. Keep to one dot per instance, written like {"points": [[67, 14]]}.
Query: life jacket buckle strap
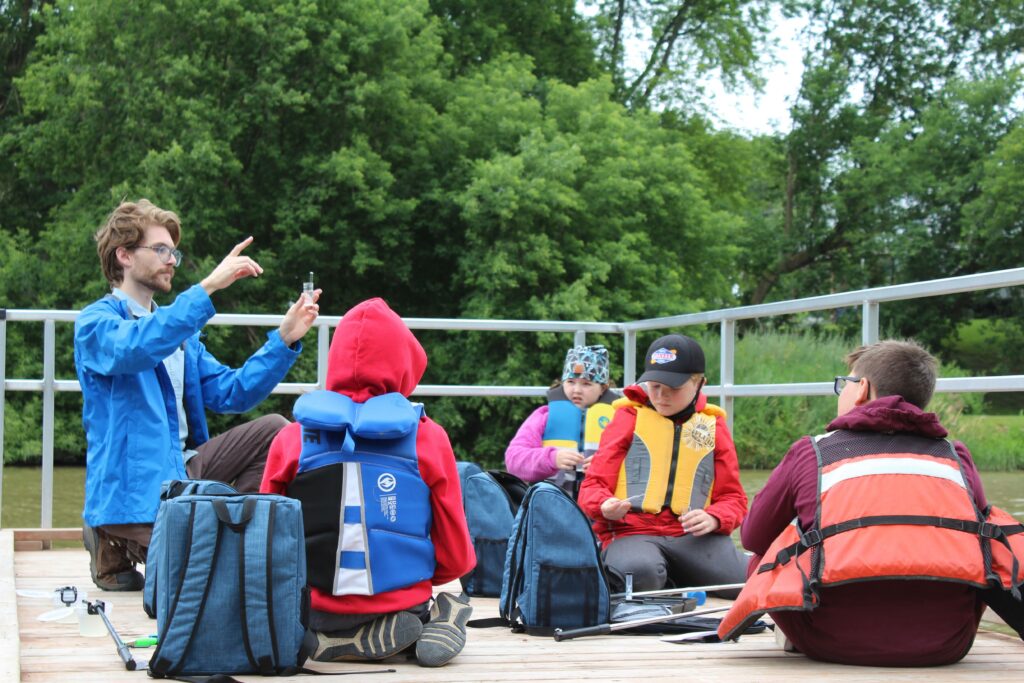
{"points": [[810, 538], [989, 530], [781, 558]]}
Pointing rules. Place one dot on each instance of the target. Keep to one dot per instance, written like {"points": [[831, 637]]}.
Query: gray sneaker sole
{"points": [[445, 635], [381, 638]]}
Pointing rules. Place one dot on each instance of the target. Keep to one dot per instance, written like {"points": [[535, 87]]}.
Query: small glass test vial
{"points": [[307, 288]]}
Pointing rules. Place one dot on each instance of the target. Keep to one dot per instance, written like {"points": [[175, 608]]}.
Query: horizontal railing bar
{"points": [[996, 383], [796, 389], [974, 384], [477, 390], [37, 385], [266, 320], [510, 325], [911, 290], [38, 316]]}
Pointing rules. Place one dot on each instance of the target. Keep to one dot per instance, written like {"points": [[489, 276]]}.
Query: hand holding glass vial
{"points": [[307, 288]]}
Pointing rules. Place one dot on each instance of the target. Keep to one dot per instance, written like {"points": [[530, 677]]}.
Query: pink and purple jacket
{"points": [[525, 457]]}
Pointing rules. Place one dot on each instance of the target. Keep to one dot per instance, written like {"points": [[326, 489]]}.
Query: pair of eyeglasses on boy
{"points": [[840, 382], [165, 253]]}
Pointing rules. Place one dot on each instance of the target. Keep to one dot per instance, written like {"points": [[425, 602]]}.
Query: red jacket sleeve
{"points": [[282, 460], [453, 548], [728, 499], [603, 473]]}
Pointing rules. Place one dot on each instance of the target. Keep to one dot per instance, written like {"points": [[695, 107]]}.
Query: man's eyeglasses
{"points": [[165, 253], [841, 381]]}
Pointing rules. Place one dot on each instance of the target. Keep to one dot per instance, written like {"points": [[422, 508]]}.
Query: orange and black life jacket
{"points": [[890, 506]]}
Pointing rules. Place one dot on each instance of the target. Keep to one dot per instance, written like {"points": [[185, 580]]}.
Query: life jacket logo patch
{"points": [[662, 356], [386, 482], [698, 435]]}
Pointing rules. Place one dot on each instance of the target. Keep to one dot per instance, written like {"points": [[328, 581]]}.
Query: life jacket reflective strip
{"points": [[906, 514], [669, 465], [368, 533], [571, 427]]}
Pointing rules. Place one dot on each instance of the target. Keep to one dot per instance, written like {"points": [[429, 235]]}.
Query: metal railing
{"points": [[867, 299]]}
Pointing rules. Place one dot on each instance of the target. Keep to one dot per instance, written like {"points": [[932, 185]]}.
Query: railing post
{"points": [[580, 338], [628, 358], [323, 345], [728, 366], [46, 500], [3, 398], [869, 323]]}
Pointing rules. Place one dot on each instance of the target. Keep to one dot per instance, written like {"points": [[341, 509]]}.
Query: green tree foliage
{"points": [[472, 159], [683, 43], [551, 33], [337, 135], [879, 75]]}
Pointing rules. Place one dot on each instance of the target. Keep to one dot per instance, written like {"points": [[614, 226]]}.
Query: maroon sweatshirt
{"points": [[874, 623]]}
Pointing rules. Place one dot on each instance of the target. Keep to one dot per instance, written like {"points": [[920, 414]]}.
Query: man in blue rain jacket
{"points": [[147, 380]]}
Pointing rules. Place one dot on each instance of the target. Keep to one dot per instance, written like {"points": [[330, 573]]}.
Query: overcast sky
{"points": [[768, 111], [746, 111]]}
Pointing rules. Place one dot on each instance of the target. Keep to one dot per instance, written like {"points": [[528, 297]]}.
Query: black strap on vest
{"points": [[815, 537]]}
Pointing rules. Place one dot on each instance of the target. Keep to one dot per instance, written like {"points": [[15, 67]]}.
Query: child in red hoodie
{"points": [[374, 364]]}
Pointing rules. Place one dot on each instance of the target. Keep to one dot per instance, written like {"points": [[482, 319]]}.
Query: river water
{"points": [[22, 487]]}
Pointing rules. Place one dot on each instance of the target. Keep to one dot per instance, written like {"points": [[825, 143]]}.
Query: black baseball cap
{"points": [[672, 359]]}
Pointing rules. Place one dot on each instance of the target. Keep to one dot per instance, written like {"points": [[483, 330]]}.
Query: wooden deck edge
{"points": [[42, 539], [10, 647]]}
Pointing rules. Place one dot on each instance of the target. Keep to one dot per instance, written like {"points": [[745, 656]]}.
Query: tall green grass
{"points": [[764, 428], [995, 441]]}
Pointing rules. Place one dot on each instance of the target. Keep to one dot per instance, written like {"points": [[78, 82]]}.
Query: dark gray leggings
{"points": [[658, 562]]}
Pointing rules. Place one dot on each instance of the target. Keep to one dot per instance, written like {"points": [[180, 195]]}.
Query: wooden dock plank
{"points": [[56, 652], [9, 628]]}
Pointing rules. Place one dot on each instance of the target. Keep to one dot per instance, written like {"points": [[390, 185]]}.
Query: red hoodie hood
{"points": [[374, 353]]}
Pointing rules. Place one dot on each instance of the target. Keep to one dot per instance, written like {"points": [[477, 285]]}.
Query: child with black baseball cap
{"points": [[664, 486]]}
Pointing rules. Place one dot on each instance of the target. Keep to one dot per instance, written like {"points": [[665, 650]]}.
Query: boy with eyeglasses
{"points": [[869, 543], [147, 380]]}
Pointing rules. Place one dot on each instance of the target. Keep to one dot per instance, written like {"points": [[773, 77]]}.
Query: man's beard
{"points": [[157, 282]]}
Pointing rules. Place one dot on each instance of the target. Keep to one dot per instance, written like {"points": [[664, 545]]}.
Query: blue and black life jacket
{"points": [[573, 428], [366, 509]]}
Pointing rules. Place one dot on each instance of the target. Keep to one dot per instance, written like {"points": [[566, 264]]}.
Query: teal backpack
{"points": [[554, 576], [231, 597], [489, 515]]}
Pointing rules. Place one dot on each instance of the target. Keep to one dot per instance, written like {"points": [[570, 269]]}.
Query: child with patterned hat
{"points": [[559, 439], [664, 487]]}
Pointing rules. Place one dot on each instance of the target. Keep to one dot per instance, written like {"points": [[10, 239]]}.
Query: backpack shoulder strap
{"points": [[176, 633]]}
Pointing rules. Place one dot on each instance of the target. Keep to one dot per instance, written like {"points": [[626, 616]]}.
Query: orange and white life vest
{"points": [[890, 506]]}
